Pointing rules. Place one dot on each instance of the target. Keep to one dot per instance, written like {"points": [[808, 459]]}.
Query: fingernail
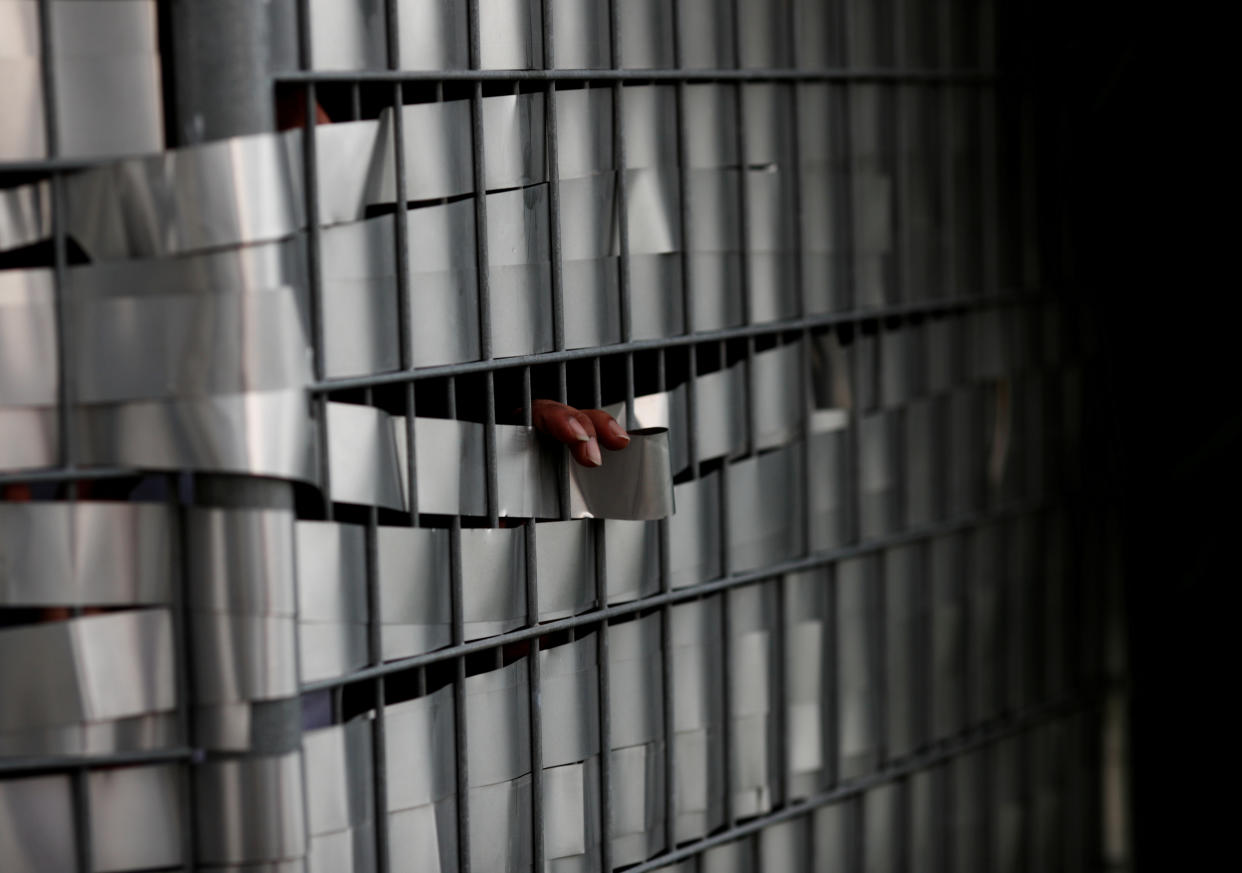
{"points": [[593, 454], [578, 431], [618, 431]]}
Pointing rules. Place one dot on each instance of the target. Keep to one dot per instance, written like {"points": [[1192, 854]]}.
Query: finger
{"points": [[571, 427], [586, 453], [560, 422], [611, 434]]}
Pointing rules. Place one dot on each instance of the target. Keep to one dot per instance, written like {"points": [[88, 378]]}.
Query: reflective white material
{"points": [[241, 190], [510, 34], [261, 433], [28, 364], [765, 509], [805, 667], [86, 554], [634, 682], [582, 34], [420, 750], [104, 667], [569, 685], [500, 832], [632, 556], [250, 810], [358, 298], [412, 571], [904, 620], [878, 484], [855, 671], [493, 573], [125, 801], [784, 846], [752, 626], [132, 734], [565, 562], [695, 532], [36, 824], [332, 604], [698, 718], [519, 271], [339, 794], [362, 456], [244, 657], [192, 345], [637, 775], [36, 820], [633, 483], [367, 460], [25, 212], [107, 73], [947, 636], [498, 725]]}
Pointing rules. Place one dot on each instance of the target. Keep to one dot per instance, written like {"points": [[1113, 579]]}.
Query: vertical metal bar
{"points": [[533, 672], [685, 213], [63, 314], [605, 717], [666, 664], [744, 237], [623, 227], [185, 678], [922, 646], [830, 686], [804, 307], [457, 621], [985, 806], [313, 272], [844, 228], [47, 73], [405, 303], [729, 741], [602, 666], [964, 591], [80, 774], [856, 833], [902, 826], [483, 270], [552, 150], [876, 643], [944, 814], [375, 656], [780, 685]]}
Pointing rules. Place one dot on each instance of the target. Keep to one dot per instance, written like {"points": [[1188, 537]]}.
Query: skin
{"points": [[584, 431]]}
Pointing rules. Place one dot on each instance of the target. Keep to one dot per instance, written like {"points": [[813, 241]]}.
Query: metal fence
{"points": [[881, 629]]}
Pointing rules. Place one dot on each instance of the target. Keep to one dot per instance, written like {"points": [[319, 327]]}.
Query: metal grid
{"points": [[67, 474], [932, 757]]}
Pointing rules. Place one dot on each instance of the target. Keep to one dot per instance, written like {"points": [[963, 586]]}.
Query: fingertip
{"points": [[587, 454], [611, 433], [577, 430]]}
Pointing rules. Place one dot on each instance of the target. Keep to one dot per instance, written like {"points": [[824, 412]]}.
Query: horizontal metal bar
{"points": [[830, 319], [984, 735], [69, 474], [58, 763], [52, 165], [680, 594], [842, 74]]}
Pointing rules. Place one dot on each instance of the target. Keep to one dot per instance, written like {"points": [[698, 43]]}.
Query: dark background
{"points": [[1146, 181]]}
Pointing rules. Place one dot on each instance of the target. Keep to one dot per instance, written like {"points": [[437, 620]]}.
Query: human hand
{"points": [[582, 430]]}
